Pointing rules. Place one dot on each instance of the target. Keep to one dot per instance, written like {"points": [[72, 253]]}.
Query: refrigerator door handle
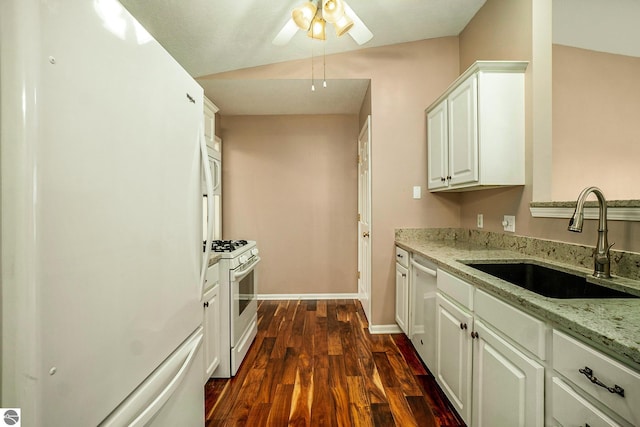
{"points": [[146, 401], [209, 187]]}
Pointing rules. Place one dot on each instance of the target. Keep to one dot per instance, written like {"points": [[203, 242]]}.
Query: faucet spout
{"points": [[601, 256]]}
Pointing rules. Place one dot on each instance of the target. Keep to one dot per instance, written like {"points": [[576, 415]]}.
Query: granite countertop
{"points": [[612, 325]]}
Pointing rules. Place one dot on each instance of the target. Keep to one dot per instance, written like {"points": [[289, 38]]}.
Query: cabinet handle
{"points": [[463, 325], [443, 179], [449, 178], [206, 304], [588, 372], [404, 275], [400, 256], [474, 335]]}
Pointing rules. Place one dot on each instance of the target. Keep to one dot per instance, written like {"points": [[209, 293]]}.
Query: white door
{"points": [[508, 387], [454, 355], [437, 147], [463, 133], [364, 218]]}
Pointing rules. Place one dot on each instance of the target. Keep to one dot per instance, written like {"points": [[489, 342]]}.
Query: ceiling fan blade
{"points": [[360, 33], [286, 33]]}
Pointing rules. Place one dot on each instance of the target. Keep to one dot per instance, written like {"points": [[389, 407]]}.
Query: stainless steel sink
{"points": [[548, 282]]}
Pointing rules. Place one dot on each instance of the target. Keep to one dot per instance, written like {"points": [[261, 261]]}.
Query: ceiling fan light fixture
{"points": [[304, 15], [317, 28], [332, 10], [343, 25]]}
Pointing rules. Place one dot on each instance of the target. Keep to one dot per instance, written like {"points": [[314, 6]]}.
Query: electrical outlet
{"points": [[480, 221], [509, 223]]}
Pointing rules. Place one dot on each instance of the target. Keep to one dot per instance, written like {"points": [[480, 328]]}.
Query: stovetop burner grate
{"points": [[226, 245]]}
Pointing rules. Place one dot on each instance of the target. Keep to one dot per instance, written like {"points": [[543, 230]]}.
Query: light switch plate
{"points": [[417, 192], [509, 223]]}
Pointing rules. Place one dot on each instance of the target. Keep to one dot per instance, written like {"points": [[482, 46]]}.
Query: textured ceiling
{"points": [[212, 36]]}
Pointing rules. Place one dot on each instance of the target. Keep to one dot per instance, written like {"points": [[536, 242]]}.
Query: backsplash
{"points": [[623, 264]]}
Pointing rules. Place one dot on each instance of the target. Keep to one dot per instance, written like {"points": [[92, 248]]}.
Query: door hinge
{"points": [[359, 217], [358, 275], [359, 159]]}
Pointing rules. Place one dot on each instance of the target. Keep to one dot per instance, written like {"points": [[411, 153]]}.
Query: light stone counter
{"points": [[612, 325]]}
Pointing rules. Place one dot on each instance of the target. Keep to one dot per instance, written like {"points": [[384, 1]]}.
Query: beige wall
{"points": [[502, 30], [290, 183], [405, 79], [596, 134]]}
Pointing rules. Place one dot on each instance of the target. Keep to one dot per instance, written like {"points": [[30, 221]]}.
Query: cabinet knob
{"points": [[474, 334], [449, 178], [443, 179], [463, 325], [365, 234]]}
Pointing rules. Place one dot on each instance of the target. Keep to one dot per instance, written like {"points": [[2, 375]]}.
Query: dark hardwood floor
{"points": [[314, 363]]}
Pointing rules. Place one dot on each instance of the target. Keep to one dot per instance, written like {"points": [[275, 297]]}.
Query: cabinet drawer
{"points": [[522, 328], [456, 288], [570, 355], [571, 409], [402, 257]]}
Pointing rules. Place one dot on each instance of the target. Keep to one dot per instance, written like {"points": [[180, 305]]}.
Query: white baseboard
{"points": [[295, 297], [385, 329]]}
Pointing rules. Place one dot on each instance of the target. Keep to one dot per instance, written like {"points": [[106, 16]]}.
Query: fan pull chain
{"points": [[324, 66], [313, 86]]}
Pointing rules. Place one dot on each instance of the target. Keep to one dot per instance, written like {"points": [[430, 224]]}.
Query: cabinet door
{"points": [[437, 154], [212, 330], [508, 386], [402, 298], [463, 133], [454, 354]]}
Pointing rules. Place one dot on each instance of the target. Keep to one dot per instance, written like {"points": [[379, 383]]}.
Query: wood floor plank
{"points": [[323, 412], [281, 406], [385, 370], [402, 373], [302, 397], [400, 408], [421, 411], [316, 364], [382, 416]]}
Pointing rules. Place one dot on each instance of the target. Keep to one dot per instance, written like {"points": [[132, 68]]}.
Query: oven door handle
{"points": [[237, 274]]}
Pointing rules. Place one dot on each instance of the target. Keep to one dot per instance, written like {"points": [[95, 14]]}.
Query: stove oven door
{"points": [[244, 304]]}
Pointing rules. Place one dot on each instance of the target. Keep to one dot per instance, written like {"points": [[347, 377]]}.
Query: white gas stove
{"points": [[239, 305]]}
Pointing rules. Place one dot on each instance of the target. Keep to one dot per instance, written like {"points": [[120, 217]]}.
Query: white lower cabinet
{"points": [[571, 409], [597, 378], [508, 386], [402, 289], [454, 354], [402, 297], [487, 378], [211, 322]]}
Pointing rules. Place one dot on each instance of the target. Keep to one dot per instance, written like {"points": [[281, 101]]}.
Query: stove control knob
{"points": [[243, 259], [254, 251]]}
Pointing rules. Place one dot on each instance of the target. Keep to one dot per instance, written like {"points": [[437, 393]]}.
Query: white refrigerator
{"points": [[101, 255]]}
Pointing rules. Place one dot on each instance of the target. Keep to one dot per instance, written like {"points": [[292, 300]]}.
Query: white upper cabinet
{"points": [[210, 111], [475, 130]]}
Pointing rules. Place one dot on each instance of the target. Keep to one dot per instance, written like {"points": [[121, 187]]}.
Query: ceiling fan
{"points": [[313, 17]]}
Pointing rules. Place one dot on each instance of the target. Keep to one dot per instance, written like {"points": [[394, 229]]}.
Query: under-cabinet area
{"points": [[506, 356]]}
